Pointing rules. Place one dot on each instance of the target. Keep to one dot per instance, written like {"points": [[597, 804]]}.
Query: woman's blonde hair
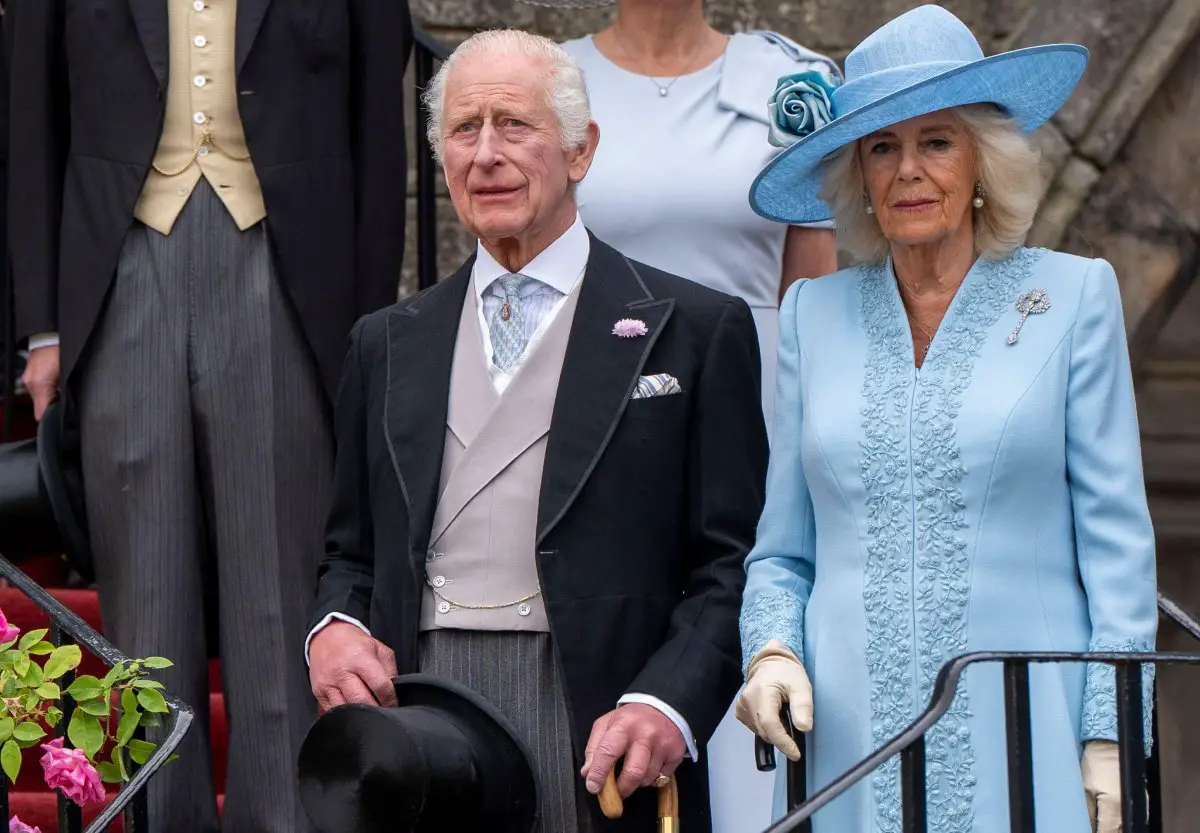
{"points": [[1007, 169]]}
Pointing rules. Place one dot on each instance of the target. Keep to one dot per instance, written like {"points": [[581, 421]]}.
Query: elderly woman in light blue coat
{"points": [[956, 462]]}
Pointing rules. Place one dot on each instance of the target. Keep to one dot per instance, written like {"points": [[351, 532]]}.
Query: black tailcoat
{"points": [[320, 90], [647, 508]]}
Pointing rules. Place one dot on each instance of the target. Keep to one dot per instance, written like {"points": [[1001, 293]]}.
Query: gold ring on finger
{"points": [[662, 780]]}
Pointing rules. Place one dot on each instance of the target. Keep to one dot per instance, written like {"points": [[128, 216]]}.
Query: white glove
{"points": [[1101, 771], [775, 676]]}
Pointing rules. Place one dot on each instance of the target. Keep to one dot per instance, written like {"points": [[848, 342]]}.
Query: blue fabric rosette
{"points": [[800, 104]]}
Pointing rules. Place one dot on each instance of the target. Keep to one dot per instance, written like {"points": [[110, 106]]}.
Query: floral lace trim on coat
{"points": [[776, 615], [1100, 694], [918, 566]]}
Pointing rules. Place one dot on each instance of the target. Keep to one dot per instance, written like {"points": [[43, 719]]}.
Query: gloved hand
{"points": [[775, 676], [1102, 785]]}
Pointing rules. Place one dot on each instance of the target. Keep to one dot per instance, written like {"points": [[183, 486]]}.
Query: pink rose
{"points": [[8, 633], [15, 825], [70, 770]]}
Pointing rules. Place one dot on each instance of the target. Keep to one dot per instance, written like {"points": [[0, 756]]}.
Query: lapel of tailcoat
{"points": [[421, 335], [150, 20], [599, 373]]}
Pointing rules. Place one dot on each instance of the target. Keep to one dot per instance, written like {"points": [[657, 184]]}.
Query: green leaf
{"points": [[31, 701], [140, 751], [62, 660], [108, 772], [6, 659], [156, 662], [129, 701], [42, 649], [152, 701], [21, 664], [86, 687], [127, 726], [53, 716], [27, 732], [98, 707], [6, 728], [113, 674], [118, 758], [147, 684], [32, 678], [49, 691], [85, 733], [32, 638], [11, 686], [10, 759]]}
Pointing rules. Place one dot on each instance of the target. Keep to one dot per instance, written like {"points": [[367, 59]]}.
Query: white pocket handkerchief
{"points": [[660, 384]]}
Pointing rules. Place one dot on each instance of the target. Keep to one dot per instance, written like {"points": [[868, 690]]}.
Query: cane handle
{"points": [[610, 799]]}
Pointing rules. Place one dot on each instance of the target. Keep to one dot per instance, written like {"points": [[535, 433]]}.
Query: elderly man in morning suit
{"points": [[550, 466]]}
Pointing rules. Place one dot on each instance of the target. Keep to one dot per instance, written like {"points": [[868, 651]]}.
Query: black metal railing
{"points": [[65, 628], [426, 51], [1140, 789]]}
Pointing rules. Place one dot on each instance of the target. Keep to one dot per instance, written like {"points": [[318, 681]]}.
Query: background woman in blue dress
{"points": [[682, 110], [956, 462]]}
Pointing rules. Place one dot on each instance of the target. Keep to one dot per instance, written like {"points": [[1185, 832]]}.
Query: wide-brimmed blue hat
{"points": [[923, 61]]}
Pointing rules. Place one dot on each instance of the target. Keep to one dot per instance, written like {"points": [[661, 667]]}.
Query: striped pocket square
{"points": [[660, 384]]}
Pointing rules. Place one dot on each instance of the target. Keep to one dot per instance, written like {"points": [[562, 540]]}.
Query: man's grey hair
{"points": [[1006, 168], [566, 92]]}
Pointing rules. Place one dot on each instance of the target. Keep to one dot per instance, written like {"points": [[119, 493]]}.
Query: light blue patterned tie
{"points": [[508, 324]]}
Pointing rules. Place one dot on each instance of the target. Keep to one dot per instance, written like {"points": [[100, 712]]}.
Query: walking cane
{"points": [[764, 759], [668, 803]]}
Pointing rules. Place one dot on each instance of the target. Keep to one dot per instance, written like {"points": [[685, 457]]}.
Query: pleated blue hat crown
{"points": [[924, 61]]}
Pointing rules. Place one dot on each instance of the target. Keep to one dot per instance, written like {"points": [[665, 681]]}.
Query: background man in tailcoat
{"points": [[207, 194]]}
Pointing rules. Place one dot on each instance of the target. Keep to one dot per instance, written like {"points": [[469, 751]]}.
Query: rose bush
{"points": [[30, 691]]}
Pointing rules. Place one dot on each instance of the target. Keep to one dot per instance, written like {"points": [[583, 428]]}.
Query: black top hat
{"points": [[41, 497], [442, 759]]}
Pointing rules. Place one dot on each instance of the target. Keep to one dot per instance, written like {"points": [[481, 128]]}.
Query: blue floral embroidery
{"points": [[1100, 694], [778, 615], [916, 586]]}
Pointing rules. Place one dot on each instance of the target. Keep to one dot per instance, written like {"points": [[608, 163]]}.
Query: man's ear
{"points": [[580, 158]]}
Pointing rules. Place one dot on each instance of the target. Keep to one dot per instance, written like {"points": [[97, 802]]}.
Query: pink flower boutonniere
{"points": [[629, 328]]}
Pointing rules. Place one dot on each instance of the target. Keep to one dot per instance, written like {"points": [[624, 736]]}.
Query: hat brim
{"points": [[1030, 85], [324, 766]]}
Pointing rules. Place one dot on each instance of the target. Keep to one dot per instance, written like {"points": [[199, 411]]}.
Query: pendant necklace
{"points": [[664, 91]]}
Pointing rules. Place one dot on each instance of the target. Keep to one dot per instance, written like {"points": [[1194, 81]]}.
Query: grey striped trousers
{"points": [[207, 455], [516, 672]]}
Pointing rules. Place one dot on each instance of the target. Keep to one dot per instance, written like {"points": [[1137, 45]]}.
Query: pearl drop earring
{"points": [[978, 201], [870, 210]]}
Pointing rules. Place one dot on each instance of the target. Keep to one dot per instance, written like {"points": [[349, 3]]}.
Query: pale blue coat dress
{"points": [[992, 500]]}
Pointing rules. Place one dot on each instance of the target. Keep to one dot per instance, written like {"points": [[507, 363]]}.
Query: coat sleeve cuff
{"points": [[341, 617], [777, 614], [1100, 695]]}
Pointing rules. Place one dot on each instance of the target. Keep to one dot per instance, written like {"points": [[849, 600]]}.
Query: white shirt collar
{"points": [[559, 265]]}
